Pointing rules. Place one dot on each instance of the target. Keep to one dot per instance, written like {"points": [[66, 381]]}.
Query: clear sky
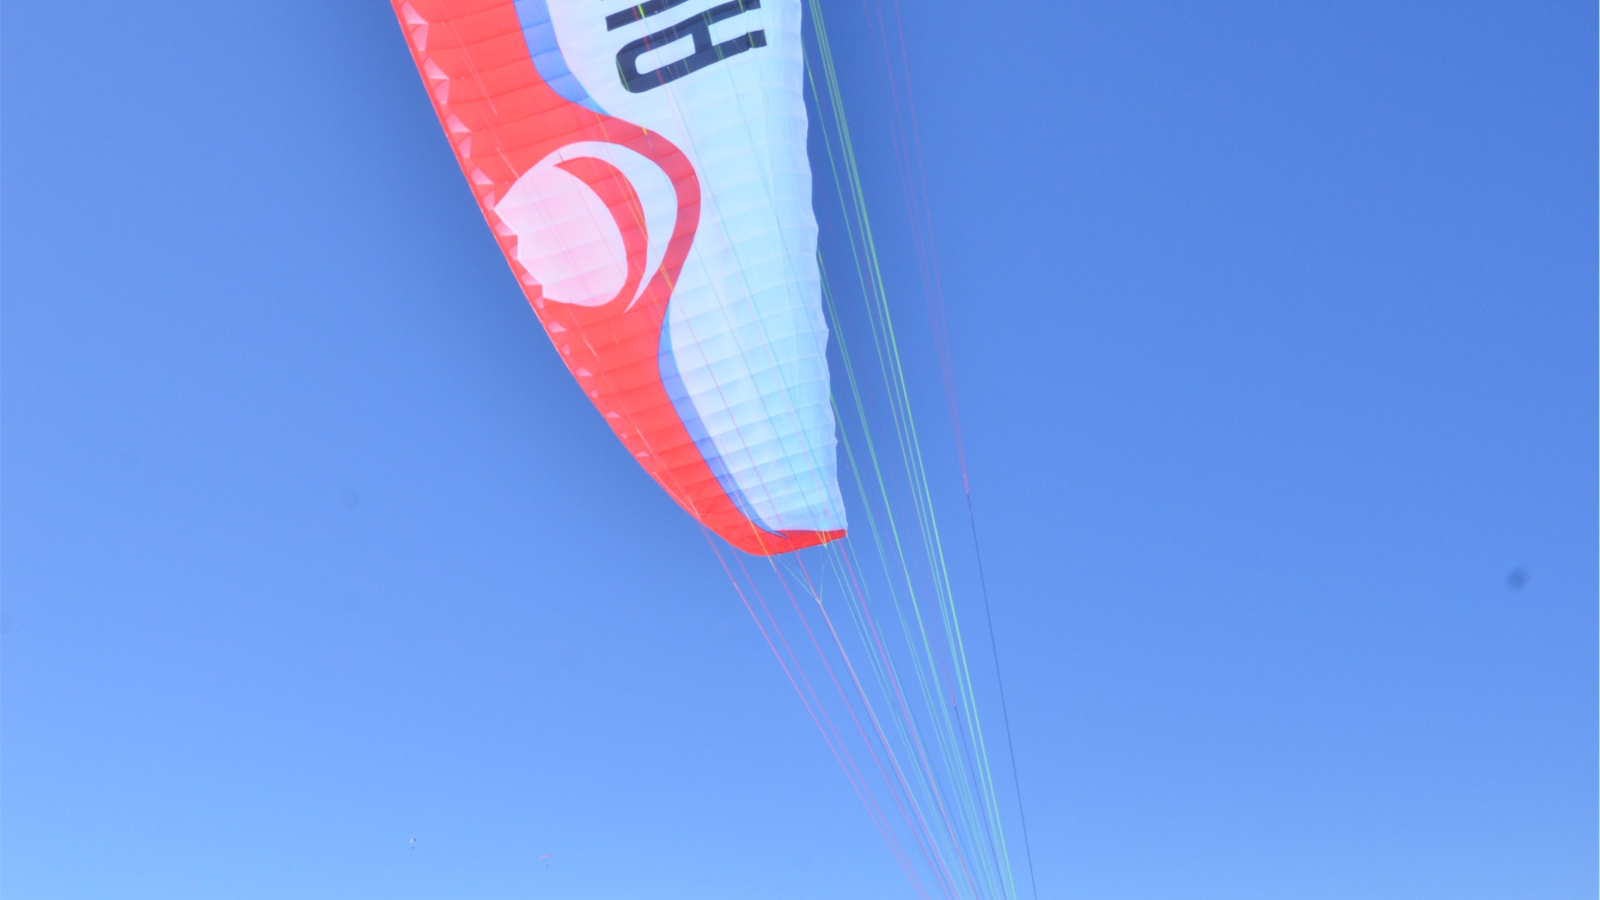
{"points": [[1274, 327]]}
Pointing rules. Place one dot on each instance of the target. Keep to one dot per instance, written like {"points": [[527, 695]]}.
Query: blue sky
{"points": [[1274, 330]]}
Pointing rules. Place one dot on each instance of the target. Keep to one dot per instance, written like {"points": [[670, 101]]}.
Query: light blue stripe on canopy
{"points": [[673, 382], [540, 34]]}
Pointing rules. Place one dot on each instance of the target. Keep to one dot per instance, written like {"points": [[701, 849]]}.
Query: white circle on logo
{"points": [[568, 239]]}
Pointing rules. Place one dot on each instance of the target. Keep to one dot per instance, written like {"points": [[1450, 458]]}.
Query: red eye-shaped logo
{"points": [[592, 222]]}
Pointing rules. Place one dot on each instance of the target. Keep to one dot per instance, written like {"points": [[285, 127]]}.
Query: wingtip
{"points": [[766, 543]]}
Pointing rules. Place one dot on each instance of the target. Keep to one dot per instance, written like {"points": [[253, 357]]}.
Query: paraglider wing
{"points": [[644, 170]]}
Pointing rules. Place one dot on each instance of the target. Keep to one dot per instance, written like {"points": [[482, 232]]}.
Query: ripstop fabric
{"points": [[644, 170]]}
